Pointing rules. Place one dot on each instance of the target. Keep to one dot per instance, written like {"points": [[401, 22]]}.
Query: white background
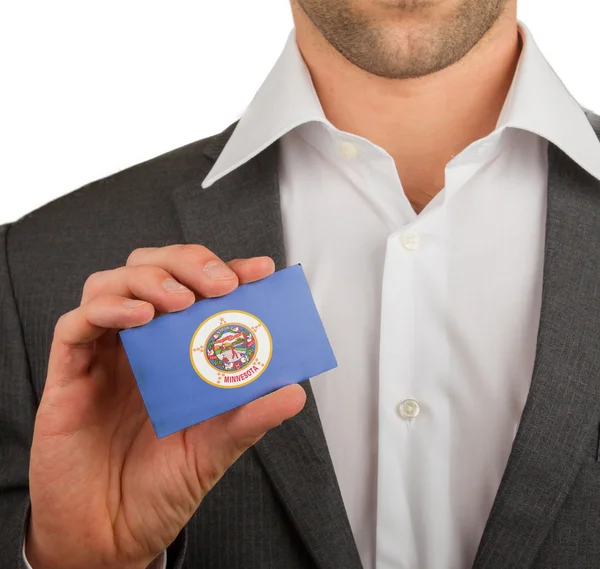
{"points": [[88, 88]]}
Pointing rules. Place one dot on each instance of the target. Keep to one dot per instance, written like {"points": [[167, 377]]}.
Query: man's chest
{"points": [[434, 321]]}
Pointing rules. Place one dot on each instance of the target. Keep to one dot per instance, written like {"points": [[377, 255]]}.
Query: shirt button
{"points": [[408, 409], [410, 241], [347, 149]]}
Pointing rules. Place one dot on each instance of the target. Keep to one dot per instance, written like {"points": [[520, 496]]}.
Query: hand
{"points": [[105, 492]]}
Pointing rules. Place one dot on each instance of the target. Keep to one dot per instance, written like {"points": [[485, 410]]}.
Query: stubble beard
{"points": [[403, 49]]}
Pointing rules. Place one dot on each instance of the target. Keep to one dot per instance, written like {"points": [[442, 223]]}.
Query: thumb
{"points": [[253, 420], [217, 443]]}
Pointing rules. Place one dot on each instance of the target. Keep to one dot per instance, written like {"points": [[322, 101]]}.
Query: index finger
{"points": [[192, 265]]}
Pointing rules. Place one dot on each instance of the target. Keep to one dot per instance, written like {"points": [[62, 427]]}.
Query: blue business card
{"points": [[223, 352]]}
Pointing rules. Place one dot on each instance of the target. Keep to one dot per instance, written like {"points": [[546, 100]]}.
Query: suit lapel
{"points": [[561, 411], [298, 461], [240, 216]]}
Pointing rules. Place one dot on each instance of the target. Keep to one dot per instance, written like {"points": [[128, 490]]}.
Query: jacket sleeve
{"points": [[17, 414], [18, 406]]}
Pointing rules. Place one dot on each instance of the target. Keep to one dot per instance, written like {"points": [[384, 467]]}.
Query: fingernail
{"points": [[131, 303], [171, 285], [218, 271]]}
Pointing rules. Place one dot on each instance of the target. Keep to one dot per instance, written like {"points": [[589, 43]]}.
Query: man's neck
{"points": [[422, 123]]}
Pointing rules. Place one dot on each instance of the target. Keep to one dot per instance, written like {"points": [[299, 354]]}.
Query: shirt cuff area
{"points": [[159, 563]]}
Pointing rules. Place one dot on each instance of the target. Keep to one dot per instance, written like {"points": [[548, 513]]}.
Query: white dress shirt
{"points": [[433, 317]]}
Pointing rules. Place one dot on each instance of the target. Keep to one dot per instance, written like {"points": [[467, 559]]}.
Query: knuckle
{"points": [[93, 283], [197, 254], [148, 274], [242, 445], [137, 254], [193, 250], [62, 323]]}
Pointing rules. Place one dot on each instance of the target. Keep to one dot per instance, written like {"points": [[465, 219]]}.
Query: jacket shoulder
{"points": [[143, 181], [96, 226], [594, 120], [134, 203]]}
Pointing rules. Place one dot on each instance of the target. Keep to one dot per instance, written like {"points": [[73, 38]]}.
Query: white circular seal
{"points": [[231, 349]]}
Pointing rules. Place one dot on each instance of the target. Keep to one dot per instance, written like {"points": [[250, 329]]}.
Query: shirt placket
{"points": [[415, 423], [412, 355]]}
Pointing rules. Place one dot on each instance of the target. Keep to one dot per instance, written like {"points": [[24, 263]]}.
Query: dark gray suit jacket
{"points": [[279, 506]]}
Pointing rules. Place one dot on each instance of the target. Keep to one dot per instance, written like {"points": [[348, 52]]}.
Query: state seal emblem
{"points": [[231, 349]]}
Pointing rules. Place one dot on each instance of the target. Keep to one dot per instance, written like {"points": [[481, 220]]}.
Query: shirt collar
{"points": [[537, 102], [285, 100]]}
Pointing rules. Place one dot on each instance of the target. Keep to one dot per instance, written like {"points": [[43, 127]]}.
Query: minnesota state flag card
{"points": [[223, 352]]}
